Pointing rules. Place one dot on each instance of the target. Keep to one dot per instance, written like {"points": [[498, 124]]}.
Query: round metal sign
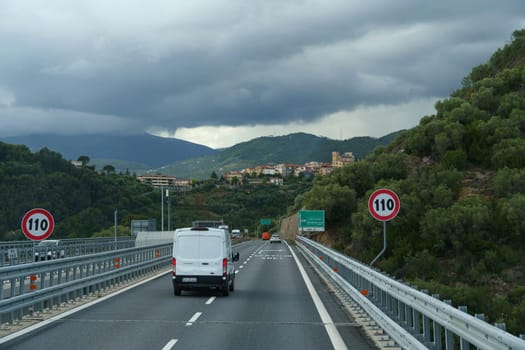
{"points": [[383, 204], [38, 224]]}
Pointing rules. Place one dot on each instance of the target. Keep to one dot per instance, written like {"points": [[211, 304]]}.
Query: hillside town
{"points": [[259, 174]]}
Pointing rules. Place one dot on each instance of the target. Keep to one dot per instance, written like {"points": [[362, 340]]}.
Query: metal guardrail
{"points": [[38, 286], [414, 319], [23, 252]]}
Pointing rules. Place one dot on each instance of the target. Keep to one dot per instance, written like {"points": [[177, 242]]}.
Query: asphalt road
{"points": [[271, 308]]}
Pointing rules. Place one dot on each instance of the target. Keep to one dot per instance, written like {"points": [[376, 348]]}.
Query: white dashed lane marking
{"points": [[170, 344], [248, 259], [193, 319]]}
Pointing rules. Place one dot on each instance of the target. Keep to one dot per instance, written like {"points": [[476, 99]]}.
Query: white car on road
{"points": [[49, 249], [275, 238]]}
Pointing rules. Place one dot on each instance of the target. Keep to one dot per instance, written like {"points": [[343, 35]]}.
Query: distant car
{"points": [[275, 239], [49, 249], [265, 236], [236, 234]]}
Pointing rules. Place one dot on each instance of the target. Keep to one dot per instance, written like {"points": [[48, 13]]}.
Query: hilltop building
{"points": [[325, 169], [340, 160], [158, 180], [233, 177]]}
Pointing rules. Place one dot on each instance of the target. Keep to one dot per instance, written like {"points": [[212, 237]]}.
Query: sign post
{"points": [[383, 205], [38, 224]]}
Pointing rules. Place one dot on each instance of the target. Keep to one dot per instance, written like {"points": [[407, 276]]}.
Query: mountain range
{"points": [[133, 151], [297, 148], [152, 154]]}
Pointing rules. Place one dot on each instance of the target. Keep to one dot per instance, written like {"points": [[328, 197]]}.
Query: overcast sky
{"points": [[219, 72]]}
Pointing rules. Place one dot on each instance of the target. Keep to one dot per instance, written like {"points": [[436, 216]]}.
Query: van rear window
{"points": [[210, 247], [188, 247], [199, 247]]}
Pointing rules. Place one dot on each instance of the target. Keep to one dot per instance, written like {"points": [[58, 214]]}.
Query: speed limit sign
{"points": [[38, 224], [383, 204]]}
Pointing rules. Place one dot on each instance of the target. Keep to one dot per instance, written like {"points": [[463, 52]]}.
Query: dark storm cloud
{"points": [[170, 64]]}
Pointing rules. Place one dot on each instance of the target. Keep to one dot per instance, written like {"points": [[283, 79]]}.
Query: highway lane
{"points": [[270, 308]]}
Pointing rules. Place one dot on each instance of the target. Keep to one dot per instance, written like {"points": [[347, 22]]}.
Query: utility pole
{"points": [[115, 217], [169, 207], [162, 208]]}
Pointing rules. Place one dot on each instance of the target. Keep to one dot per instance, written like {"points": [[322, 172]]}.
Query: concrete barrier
{"points": [[149, 238]]}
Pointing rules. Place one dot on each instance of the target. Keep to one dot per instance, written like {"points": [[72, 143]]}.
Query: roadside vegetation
{"points": [[460, 176], [81, 200]]}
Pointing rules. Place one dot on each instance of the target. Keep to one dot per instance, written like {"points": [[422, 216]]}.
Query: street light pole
{"points": [[162, 208], [169, 207], [115, 214]]}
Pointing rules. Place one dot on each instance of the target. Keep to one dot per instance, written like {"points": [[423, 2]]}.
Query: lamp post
{"points": [[115, 217], [169, 207], [162, 209]]}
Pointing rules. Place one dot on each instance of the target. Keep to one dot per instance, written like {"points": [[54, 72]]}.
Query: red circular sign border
{"points": [[371, 201], [47, 215]]}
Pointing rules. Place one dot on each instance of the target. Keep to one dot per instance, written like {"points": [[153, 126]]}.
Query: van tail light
{"points": [[224, 267], [174, 270]]}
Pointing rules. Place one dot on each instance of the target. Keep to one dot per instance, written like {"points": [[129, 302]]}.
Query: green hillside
{"points": [[296, 148], [83, 200], [460, 176]]}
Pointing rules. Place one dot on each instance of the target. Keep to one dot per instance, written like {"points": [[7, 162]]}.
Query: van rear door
{"points": [[199, 254]]}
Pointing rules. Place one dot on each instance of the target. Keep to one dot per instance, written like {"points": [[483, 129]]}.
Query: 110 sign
{"points": [[383, 204], [380, 206], [38, 224]]}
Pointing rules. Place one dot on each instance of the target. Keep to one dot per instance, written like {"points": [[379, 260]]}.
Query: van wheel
{"points": [[176, 290], [226, 291]]}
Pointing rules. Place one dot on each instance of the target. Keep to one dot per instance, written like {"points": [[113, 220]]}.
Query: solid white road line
{"points": [[211, 300], [170, 344], [194, 318], [331, 329]]}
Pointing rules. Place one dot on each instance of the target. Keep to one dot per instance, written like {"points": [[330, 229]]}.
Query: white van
{"points": [[236, 233], [203, 258]]}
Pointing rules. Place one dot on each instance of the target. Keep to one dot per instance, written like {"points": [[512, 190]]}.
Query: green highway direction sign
{"points": [[266, 221], [311, 220]]}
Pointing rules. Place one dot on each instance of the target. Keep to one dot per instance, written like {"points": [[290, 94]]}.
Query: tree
{"points": [[337, 201], [465, 226], [510, 213], [509, 181], [450, 138], [108, 169], [358, 176], [84, 160], [455, 159], [509, 153]]}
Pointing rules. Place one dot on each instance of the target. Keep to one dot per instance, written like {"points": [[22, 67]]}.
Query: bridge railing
{"points": [[414, 319], [35, 287], [23, 252]]}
